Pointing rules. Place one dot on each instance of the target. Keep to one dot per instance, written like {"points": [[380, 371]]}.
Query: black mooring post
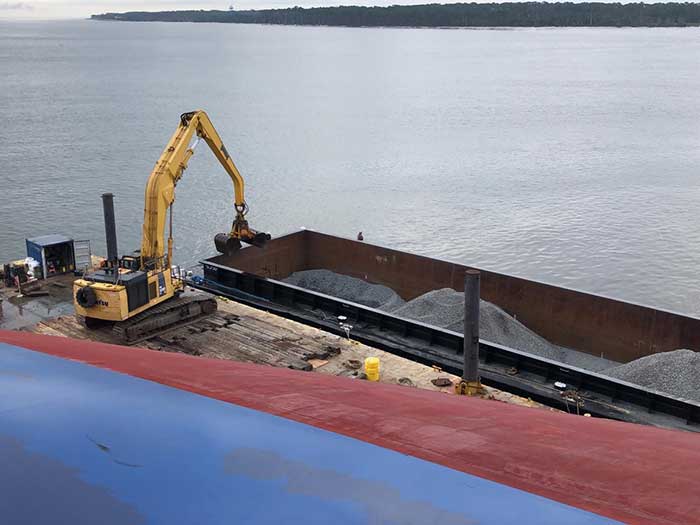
{"points": [[110, 228], [472, 292]]}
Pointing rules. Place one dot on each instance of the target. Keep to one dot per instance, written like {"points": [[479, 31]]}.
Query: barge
{"points": [[588, 323], [598, 325]]}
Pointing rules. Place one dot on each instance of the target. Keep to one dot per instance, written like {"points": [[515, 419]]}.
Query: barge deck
{"points": [[249, 335]]}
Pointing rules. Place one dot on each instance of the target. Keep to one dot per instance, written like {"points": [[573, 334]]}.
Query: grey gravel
{"points": [[348, 288], [445, 308], [676, 373]]}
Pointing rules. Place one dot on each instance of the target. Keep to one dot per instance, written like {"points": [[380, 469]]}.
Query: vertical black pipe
{"points": [[472, 292], [110, 228]]}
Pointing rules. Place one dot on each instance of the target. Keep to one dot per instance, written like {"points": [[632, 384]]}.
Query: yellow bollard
{"points": [[469, 388], [372, 368]]}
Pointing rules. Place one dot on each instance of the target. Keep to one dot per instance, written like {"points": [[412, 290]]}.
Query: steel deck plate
{"points": [[81, 444]]}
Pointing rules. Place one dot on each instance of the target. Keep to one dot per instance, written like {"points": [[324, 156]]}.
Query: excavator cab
{"points": [[130, 262]]}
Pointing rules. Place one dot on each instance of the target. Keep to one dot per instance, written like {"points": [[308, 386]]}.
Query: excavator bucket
{"points": [[258, 239], [226, 244]]}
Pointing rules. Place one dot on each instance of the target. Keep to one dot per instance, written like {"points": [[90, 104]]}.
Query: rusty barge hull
{"points": [[601, 326]]}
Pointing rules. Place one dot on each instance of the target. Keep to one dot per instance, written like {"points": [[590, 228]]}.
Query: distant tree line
{"points": [[525, 14]]}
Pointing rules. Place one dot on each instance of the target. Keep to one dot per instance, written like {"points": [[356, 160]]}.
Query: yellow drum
{"points": [[372, 368]]}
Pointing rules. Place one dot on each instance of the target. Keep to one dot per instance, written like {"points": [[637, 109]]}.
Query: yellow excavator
{"points": [[140, 293]]}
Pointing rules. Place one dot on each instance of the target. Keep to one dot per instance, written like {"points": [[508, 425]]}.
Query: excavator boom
{"points": [[160, 191]]}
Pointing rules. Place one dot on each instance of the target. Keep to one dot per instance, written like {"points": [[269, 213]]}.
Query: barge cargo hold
{"points": [[126, 435], [253, 277], [601, 326]]}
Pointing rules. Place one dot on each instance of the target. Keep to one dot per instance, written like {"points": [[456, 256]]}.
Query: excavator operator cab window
{"points": [[129, 262]]}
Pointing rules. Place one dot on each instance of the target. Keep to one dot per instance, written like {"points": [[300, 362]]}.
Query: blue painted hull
{"points": [[84, 445]]}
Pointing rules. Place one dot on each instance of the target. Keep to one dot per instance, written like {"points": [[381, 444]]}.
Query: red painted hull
{"points": [[627, 472]]}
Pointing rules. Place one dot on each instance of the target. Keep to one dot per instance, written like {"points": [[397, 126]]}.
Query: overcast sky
{"points": [[57, 9], [47, 9], [44, 9]]}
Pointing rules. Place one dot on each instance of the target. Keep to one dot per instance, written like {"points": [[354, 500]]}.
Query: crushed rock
{"points": [[348, 288], [676, 373], [444, 308]]}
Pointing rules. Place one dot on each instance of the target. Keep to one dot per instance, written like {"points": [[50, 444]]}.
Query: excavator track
{"points": [[171, 314]]}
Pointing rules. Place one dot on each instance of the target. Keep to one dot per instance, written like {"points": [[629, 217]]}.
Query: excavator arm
{"points": [[160, 192]]}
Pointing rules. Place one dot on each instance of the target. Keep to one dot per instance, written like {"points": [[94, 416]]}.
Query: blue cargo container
{"points": [[54, 253]]}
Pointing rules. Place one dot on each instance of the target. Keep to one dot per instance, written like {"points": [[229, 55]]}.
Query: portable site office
{"points": [[54, 253]]}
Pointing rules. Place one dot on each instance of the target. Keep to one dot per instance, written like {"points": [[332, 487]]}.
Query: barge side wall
{"points": [[598, 325]]}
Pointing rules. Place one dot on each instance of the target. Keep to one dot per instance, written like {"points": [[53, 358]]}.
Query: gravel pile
{"points": [[676, 373], [445, 308], [348, 288]]}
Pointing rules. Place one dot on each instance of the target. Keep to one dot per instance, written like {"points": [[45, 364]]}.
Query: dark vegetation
{"points": [[526, 14]]}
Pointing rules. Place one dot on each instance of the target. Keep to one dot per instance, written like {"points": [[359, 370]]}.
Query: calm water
{"points": [[570, 156]]}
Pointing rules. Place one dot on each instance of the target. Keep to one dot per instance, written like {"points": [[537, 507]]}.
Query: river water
{"points": [[570, 156]]}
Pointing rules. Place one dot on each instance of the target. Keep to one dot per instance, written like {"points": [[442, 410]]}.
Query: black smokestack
{"points": [[110, 228]]}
